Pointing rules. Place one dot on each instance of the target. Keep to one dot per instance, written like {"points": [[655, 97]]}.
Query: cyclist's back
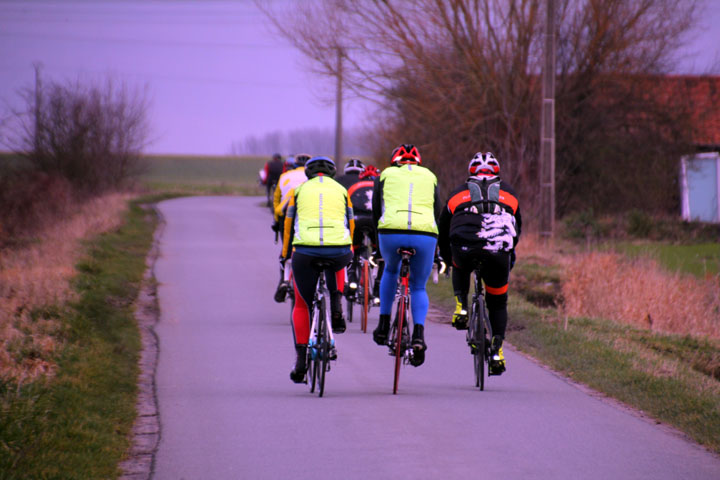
{"points": [[480, 224], [319, 225], [286, 183], [406, 207]]}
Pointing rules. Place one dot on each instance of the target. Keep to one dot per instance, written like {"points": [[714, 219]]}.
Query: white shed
{"points": [[700, 187]]}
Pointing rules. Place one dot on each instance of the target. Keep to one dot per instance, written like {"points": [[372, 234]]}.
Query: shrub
{"points": [[639, 224], [29, 201], [91, 135]]}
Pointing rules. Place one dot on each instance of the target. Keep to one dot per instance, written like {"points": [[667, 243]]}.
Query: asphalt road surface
{"points": [[228, 409]]}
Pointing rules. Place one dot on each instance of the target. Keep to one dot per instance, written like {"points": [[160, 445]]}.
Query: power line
{"points": [[170, 43], [127, 8], [176, 78]]}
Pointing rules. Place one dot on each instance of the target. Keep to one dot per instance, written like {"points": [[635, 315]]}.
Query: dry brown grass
{"points": [[641, 293], [637, 292], [37, 277]]}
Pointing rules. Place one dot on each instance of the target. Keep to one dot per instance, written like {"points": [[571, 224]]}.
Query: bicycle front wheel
{"points": [[323, 348]]}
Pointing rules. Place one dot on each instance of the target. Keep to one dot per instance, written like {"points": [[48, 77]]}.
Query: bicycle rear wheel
{"points": [[314, 351], [324, 348], [476, 339], [365, 282], [401, 322], [482, 355], [311, 368]]}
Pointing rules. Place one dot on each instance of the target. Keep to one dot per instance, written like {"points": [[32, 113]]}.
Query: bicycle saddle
{"points": [[406, 250], [322, 264]]}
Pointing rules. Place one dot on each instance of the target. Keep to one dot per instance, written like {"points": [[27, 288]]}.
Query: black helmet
{"points": [[354, 165], [318, 165], [301, 159], [277, 156]]}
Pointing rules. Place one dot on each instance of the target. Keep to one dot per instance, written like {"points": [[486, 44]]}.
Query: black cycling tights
{"points": [[305, 277], [495, 274]]}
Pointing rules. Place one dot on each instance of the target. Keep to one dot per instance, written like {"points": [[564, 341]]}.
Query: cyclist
{"points": [[473, 227], [289, 164], [361, 196], [406, 209], [273, 169], [287, 182], [319, 224]]}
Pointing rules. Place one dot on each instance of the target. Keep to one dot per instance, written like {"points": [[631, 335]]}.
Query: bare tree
{"points": [[91, 135], [458, 76]]}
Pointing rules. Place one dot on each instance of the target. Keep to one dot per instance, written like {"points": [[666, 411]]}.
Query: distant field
{"points": [[189, 174], [204, 174]]}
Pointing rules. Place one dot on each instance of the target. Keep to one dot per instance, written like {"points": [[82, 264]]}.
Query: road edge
{"points": [[140, 461]]}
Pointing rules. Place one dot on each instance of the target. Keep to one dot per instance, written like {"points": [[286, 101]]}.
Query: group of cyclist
{"points": [[323, 219]]}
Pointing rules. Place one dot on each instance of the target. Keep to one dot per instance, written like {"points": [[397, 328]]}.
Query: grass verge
{"points": [[675, 379], [77, 423]]}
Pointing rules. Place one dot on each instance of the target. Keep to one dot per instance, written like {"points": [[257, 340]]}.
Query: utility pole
{"points": [[38, 108], [547, 130], [338, 109]]}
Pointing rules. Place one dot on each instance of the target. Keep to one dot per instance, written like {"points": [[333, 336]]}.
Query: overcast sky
{"points": [[214, 71]]}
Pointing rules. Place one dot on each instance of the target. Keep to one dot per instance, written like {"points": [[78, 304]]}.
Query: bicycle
{"points": [[363, 272], [479, 330], [321, 347], [270, 194], [399, 341]]}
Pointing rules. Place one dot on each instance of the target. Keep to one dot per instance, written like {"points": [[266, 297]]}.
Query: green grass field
{"points": [[204, 174]]}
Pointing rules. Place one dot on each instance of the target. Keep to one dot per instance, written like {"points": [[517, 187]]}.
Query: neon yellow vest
{"points": [[408, 199], [321, 213]]}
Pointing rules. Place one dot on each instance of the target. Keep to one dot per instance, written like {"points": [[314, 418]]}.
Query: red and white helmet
{"points": [[405, 153], [484, 165]]}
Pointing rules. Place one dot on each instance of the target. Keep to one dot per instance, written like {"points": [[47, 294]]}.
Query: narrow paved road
{"points": [[229, 411]]}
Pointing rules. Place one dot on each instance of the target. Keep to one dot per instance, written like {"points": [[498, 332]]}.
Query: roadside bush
{"points": [[29, 201], [639, 224], [582, 226], [91, 135]]}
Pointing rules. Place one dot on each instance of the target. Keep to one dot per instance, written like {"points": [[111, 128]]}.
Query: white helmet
{"points": [[484, 165], [354, 165]]}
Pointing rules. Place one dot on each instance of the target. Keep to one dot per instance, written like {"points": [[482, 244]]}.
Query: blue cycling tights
{"points": [[420, 267]]}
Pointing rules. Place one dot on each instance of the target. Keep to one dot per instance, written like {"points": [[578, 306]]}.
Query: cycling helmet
{"points": [[320, 165], [484, 165], [301, 159], [370, 172], [290, 162], [405, 153], [277, 156], [354, 165]]}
